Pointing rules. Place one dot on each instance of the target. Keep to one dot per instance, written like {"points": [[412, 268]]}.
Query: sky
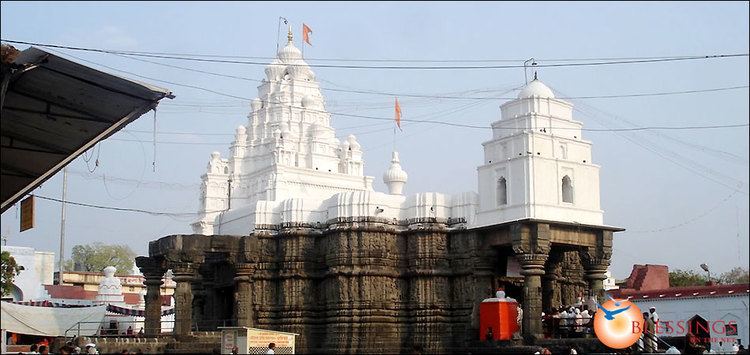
{"points": [[682, 195]]}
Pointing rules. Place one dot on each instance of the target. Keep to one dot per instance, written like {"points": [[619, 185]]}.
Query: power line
{"points": [[391, 67], [209, 55], [125, 209], [392, 94]]}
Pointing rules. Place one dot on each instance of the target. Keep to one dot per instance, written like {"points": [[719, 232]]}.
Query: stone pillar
{"points": [[153, 273], [595, 275], [532, 269], [183, 295], [595, 262], [243, 296], [551, 292]]}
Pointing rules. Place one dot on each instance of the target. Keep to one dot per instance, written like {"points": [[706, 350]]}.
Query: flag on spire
{"points": [[306, 31], [398, 115]]}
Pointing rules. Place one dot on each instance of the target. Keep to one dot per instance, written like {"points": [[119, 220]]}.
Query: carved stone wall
{"points": [[363, 286]]}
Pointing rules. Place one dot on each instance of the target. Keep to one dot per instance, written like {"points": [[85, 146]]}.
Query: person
{"points": [[65, 350], [235, 350], [43, 349], [519, 317], [578, 321], [564, 323], [129, 332], [649, 337], [140, 332], [654, 316], [546, 351], [76, 350], [655, 320], [586, 316], [34, 347], [641, 344], [271, 348]]}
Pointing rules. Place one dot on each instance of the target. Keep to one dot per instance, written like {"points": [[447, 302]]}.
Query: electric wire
{"points": [[392, 67]]}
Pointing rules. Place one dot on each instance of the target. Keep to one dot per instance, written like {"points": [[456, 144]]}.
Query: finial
{"points": [[289, 35], [535, 78]]}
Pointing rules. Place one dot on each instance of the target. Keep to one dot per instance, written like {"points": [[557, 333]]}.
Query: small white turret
{"points": [[110, 288], [395, 177]]}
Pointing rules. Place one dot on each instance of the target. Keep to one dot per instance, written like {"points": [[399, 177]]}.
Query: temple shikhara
{"points": [[292, 236]]}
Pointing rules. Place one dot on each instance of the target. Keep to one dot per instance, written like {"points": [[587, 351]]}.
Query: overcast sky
{"points": [[682, 195]]}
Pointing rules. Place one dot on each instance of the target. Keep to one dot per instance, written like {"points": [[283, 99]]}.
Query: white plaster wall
{"points": [[38, 270], [727, 308]]}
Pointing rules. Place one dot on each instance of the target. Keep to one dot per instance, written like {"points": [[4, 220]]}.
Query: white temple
{"points": [[287, 166]]}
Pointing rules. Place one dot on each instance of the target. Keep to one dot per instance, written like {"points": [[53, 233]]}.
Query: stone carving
{"points": [[359, 285]]}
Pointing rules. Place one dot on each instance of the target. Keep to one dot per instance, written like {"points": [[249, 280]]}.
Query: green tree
{"points": [[679, 278], [95, 257], [738, 275], [8, 272]]}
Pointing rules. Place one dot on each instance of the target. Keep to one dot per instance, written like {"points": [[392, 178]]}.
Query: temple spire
{"points": [[289, 35]]}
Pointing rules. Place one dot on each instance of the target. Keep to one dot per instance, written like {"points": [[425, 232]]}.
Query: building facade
{"points": [[38, 270], [293, 238]]}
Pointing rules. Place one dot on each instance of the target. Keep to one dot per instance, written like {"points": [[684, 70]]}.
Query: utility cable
{"points": [[411, 67]]}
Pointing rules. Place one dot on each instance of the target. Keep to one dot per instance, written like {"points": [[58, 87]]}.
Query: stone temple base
{"points": [[372, 286]]}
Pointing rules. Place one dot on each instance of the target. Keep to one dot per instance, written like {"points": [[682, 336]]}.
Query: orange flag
{"points": [[306, 31], [398, 115]]}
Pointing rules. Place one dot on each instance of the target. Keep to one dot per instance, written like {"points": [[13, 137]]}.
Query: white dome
{"points": [[275, 70], [395, 177], [536, 89], [289, 53]]}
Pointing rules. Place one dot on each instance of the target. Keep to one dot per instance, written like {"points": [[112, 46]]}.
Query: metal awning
{"points": [[53, 110]]}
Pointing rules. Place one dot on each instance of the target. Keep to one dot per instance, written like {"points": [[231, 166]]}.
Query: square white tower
{"points": [[537, 165]]}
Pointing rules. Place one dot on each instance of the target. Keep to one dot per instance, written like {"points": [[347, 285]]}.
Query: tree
{"points": [[8, 272], [738, 275], [95, 257], [679, 278]]}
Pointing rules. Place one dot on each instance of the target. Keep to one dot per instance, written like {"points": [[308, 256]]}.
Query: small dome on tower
{"points": [[275, 70], [536, 89], [395, 177], [241, 130], [215, 155]]}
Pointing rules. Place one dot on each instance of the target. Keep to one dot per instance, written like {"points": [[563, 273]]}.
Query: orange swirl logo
{"points": [[614, 323]]}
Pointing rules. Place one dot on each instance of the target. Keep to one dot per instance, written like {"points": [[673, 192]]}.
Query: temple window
{"points": [[567, 189], [502, 192]]}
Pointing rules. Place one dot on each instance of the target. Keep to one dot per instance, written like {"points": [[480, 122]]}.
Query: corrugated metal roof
{"points": [[54, 110]]}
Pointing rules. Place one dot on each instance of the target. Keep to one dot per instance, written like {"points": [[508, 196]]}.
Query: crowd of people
{"points": [[569, 321]]}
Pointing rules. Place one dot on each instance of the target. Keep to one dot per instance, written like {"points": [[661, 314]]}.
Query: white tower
{"points": [[395, 177], [110, 288], [537, 165], [287, 149]]}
